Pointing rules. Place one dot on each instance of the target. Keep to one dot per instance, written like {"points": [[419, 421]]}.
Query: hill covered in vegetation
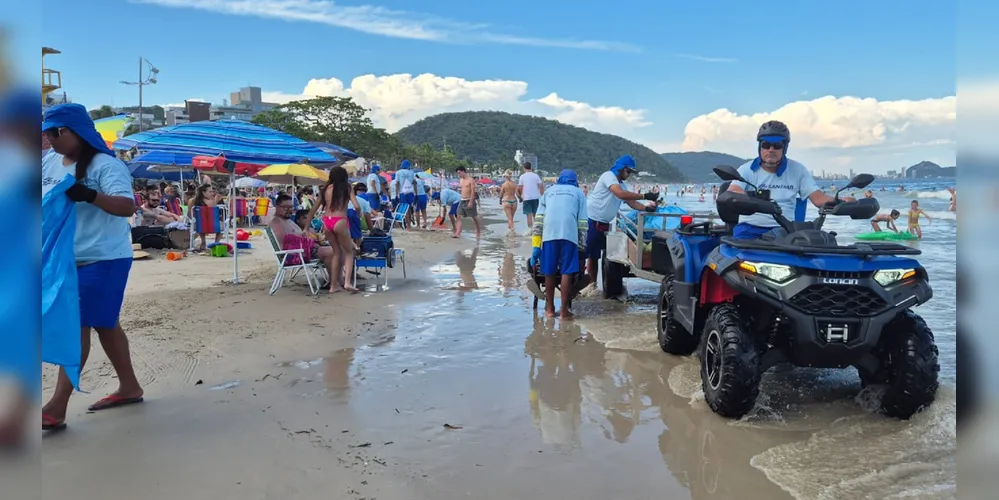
{"points": [[696, 166], [492, 137]]}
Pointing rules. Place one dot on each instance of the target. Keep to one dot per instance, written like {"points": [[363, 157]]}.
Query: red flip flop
{"points": [[51, 424], [113, 401]]}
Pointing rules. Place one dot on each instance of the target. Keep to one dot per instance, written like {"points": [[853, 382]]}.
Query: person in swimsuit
{"points": [[914, 213], [508, 197], [888, 219], [953, 199], [469, 205], [335, 197]]}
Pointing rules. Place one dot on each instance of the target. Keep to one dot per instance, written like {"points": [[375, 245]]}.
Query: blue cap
{"points": [[568, 177], [375, 168], [404, 165], [75, 117], [624, 162]]}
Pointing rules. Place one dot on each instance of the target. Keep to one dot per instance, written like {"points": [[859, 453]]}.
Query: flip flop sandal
{"points": [[113, 401], [51, 424]]}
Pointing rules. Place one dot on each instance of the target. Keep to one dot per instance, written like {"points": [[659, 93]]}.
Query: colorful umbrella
{"points": [[238, 141], [385, 175], [295, 173], [335, 150], [424, 175], [112, 128]]}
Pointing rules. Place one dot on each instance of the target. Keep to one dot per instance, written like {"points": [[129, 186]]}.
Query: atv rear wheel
{"points": [[613, 277], [730, 363], [673, 338], [909, 366]]}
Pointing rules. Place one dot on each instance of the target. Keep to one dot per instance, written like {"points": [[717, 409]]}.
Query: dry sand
{"points": [[197, 342]]}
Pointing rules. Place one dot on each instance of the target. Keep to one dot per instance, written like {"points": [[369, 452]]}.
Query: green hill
{"points": [[696, 166], [494, 137]]}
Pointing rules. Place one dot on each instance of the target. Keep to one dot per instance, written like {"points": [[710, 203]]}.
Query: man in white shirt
{"points": [[529, 190], [602, 206], [785, 179]]}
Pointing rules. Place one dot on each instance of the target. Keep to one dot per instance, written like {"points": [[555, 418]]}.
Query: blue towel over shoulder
{"points": [[60, 289]]}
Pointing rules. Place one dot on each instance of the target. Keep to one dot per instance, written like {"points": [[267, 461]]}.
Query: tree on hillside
{"points": [[104, 111]]}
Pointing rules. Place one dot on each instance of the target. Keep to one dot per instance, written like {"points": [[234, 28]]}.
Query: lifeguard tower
{"points": [[51, 79]]}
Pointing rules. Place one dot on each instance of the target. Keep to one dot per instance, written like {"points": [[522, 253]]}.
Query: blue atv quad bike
{"points": [[794, 296]]}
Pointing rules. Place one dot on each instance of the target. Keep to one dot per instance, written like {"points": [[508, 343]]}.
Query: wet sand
{"points": [[446, 387]]}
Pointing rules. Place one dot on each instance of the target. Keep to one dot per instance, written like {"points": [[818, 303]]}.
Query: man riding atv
{"points": [[785, 179]]}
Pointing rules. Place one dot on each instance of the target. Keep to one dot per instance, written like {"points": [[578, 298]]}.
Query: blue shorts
{"points": [[102, 291], [745, 231], [421, 202], [596, 238], [374, 200], [531, 206], [454, 209], [354, 224], [559, 256], [409, 198]]}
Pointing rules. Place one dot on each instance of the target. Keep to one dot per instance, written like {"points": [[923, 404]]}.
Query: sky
{"points": [[868, 86]]}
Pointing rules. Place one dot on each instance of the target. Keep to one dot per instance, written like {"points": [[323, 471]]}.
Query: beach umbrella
{"points": [[338, 151], [249, 183], [424, 176], [385, 175], [112, 128], [162, 165], [237, 140], [486, 181], [295, 174]]}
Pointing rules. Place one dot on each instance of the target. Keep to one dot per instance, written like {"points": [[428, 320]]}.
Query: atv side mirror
{"points": [[862, 209], [727, 173], [860, 181]]}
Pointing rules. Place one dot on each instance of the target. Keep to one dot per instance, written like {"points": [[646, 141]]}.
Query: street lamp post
{"points": [[149, 80]]}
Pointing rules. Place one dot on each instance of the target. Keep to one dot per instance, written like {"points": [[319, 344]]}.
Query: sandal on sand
{"points": [[113, 401], [49, 423]]}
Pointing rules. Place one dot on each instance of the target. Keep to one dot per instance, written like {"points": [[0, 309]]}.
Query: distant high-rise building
{"points": [[522, 157]]}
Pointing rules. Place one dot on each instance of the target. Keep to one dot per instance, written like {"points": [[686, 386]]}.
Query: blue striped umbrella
{"points": [[335, 150], [239, 141]]}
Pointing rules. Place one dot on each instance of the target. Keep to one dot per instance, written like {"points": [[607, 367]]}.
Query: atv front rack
{"points": [[858, 249]]}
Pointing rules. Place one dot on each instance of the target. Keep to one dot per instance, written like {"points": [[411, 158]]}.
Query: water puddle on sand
{"points": [[485, 398]]}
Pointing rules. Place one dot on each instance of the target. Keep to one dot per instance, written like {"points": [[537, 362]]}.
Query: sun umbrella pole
{"points": [[232, 228]]}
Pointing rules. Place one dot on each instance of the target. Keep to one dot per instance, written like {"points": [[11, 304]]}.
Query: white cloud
{"points": [[831, 123], [181, 104], [381, 21], [706, 59], [399, 100]]}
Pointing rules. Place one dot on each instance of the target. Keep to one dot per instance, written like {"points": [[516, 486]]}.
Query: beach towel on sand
{"points": [[60, 290]]}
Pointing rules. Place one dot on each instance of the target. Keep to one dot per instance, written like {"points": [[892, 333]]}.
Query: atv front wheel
{"points": [[910, 367], [673, 338], [730, 363], [613, 277]]}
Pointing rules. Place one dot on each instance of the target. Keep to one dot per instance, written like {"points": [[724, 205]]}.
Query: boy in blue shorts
{"points": [[558, 233]]}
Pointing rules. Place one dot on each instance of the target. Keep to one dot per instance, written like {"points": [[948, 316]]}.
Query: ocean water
{"points": [[593, 409]]}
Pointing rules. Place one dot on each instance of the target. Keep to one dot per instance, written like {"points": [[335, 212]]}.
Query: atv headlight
{"points": [[887, 277], [773, 272]]}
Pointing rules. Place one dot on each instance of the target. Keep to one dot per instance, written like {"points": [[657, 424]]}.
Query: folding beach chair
{"points": [[378, 252], [315, 273], [241, 210], [399, 216], [207, 220]]}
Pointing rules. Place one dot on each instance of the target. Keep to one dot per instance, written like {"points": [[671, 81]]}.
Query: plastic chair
{"points": [[314, 270]]}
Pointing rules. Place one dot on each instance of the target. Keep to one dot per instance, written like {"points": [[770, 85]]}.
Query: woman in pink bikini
{"points": [[336, 194]]}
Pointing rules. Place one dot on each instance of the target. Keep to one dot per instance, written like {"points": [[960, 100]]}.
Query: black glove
{"points": [[650, 208], [80, 192], [651, 196]]}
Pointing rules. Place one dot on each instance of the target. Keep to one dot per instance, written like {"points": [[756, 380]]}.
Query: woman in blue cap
{"points": [[103, 247]]}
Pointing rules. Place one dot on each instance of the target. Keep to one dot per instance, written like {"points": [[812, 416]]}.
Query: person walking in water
{"points": [[469, 204], [914, 213], [529, 190], [508, 198]]}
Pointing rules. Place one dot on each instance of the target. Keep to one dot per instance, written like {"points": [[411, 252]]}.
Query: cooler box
{"points": [[377, 248]]}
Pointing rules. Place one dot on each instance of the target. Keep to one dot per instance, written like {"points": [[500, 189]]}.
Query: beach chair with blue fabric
{"points": [[399, 216], [377, 255]]}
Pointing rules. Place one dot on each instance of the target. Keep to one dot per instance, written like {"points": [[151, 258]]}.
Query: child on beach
{"points": [[914, 213], [889, 220]]}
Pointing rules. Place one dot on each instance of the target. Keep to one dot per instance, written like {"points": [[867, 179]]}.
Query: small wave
{"points": [[939, 195], [880, 457]]}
